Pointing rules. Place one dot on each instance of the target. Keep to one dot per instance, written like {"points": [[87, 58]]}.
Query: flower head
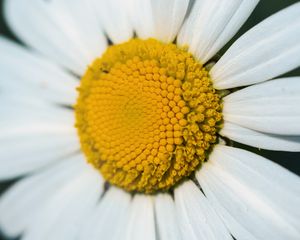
{"points": [[137, 148]]}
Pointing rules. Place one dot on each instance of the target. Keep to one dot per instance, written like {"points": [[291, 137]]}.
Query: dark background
{"points": [[264, 9]]}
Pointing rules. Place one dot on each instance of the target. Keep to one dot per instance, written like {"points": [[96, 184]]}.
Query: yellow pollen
{"points": [[147, 115]]}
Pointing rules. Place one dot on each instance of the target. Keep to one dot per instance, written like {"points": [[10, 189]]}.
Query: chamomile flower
{"points": [[125, 140]]}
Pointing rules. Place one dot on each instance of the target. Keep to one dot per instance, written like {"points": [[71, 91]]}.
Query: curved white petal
{"points": [[267, 50], [141, 223], [271, 107], [168, 16], [33, 136], [211, 24], [257, 199], [108, 220], [158, 19], [260, 140], [62, 216], [23, 201], [197, 219], [141, 17], [114, 18], [29, 110], [25, 75], [66, 31], [166, 218]]}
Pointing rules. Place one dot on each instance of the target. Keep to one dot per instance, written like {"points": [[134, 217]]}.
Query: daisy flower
{"points": [[135, 149]]}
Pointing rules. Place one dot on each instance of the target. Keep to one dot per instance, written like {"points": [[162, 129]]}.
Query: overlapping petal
{"points": [[66, 31], [24, 74], [270, 107], [197, 219], [147, 18], [141, 221], [114, 18], [255, 198], [268, 50], [211, 24], [109, 218], [34, 135], [20, 204], [65, 212], [166, 218], [260, 140]]}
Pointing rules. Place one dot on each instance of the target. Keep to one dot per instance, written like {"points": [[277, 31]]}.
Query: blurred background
{"points": [[264, 9]]}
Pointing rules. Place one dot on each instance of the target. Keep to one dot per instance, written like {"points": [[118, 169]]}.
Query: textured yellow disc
{"points": [[147, 115]]}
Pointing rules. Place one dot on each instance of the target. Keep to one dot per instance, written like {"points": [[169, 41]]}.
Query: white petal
{"points": [[26, 74], [197, 219], [260, 140], [109, 219], [30, 110], [271, 107], [114, 18], [33, 137], [140, 13], [65, 31], [82, 24], [141, 224], [267, 50], [257, 199], [23, 201], [168, 16], [211, 24], [63, 215], [166, 218], [158, 19]]}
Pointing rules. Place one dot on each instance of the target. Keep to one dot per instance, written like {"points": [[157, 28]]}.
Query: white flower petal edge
{"points": [[31, 111], [168, 16], [33, 136], [26, 75], [267, 50], [141, 222], [25, 199], [140, 13], [260, 140], [197, 219], [114, 19], [270, 107], [109, 218], [73, 37], [166, 219], [64, 213], [256, 198], [159, 19], [212, 24]]}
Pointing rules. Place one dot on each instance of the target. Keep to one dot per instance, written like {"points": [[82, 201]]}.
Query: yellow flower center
{"points": [[147, 115]]}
